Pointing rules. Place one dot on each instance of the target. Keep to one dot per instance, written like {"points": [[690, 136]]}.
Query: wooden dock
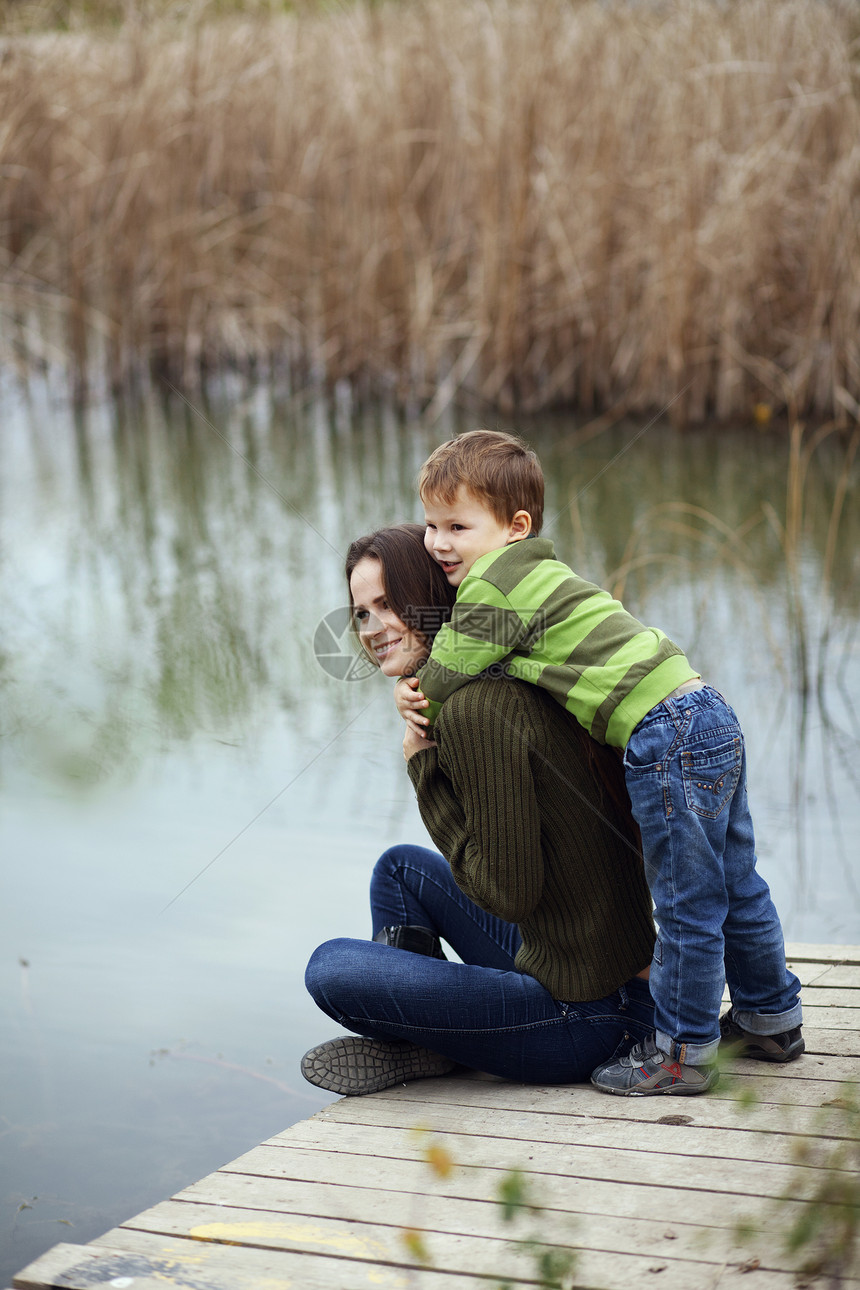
{"points": [[649, 1190]]}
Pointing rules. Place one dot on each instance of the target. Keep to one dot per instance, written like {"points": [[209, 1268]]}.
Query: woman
{"points": [[541, 891]]}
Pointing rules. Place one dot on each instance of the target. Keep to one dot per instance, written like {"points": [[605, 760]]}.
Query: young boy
{"points": [[524, 614]]}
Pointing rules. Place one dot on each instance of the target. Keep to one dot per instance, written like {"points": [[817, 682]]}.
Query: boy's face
{"points": [[461, 531]]}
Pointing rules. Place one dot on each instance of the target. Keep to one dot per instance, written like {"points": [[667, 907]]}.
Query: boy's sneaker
{"points": [[646, 1070], [737, 1042], [354, 1065]]}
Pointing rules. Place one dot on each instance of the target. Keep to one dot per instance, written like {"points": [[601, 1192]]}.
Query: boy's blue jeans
{"points": [[685, 768], [482, 1012]]}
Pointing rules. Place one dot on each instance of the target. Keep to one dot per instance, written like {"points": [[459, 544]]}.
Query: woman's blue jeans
{"points": [[686, 775], [482, 1012]]}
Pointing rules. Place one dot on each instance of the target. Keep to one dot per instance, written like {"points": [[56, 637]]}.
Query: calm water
{"points": [[191, 801]]}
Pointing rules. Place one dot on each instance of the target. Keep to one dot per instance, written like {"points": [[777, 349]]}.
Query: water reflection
{"points": [[191, 802]]}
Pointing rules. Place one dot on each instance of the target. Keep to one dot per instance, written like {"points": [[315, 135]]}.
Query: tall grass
{"points": [[591, 203]]}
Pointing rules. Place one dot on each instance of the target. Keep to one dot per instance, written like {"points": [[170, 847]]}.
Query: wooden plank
{"points": [[822, 992], [146, 1262], [821, 1042], [698, 1138], [753, 1178], [815, 975], [821, 996], [367, 1242], [797, 953], [821, 976], [696, 1235], [827, 1017], [374, 1240], [479, 1184], [379, 1238], [576, 1105], [604, 1270], [768, 1087]]}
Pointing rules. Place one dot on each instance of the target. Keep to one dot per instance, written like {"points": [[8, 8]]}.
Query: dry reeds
{"points": [[539, 203]]}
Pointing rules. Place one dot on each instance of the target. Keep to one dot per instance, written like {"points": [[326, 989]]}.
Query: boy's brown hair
{"points": [[498, 469]]}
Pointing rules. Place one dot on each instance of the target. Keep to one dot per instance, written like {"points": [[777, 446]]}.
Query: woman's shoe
{"points": [[409, 936], [353, 1065]]}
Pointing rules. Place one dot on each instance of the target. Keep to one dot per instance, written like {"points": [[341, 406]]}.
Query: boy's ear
{"points": [[521, 526]]}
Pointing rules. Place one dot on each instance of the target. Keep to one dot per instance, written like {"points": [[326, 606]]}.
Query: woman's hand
{"points": [[413, 742], [410, 700]]}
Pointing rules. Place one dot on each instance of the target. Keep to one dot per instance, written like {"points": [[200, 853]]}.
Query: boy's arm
{"points": [[483, 630]]}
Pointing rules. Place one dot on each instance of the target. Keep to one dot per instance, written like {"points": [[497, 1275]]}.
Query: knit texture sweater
{"points": [[509, 799], [521, 612]]}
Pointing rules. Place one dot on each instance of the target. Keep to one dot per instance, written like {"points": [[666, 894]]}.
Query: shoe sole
{"points": [[353, 1066]]}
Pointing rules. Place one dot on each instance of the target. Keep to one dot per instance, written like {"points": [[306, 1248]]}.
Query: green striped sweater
{"points": [[522, 613]]}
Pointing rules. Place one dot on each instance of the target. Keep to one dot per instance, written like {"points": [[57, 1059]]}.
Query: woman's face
{"points": [[394, 647]]}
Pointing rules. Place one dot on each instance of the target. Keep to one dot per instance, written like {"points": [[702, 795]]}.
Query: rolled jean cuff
{"points": [[772, 1023], [689, 1054]]}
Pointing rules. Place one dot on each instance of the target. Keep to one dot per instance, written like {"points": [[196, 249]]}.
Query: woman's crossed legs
{"points": [[480, 1013]]}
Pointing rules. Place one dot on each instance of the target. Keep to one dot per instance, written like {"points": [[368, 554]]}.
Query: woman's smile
{"points": [[383, 648]]}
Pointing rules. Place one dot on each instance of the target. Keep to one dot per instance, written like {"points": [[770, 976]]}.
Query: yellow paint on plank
{"points": [[343, 1241]]}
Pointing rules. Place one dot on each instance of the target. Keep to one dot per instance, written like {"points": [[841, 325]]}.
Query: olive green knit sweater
{"points": [[509, 799]]}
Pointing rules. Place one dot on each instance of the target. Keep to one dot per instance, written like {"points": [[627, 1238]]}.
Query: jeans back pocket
{"points": [[711, 776]]}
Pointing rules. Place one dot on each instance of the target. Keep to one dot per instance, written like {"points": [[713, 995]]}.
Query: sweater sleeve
{"points": [[483, 815], [483, 630]]}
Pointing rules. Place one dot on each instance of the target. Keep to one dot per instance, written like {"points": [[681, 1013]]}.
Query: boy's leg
{"points": [[684, 765], [683, 864], [765, 995]]}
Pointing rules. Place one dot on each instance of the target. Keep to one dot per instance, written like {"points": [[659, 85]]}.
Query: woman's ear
{"points": [[521, 526]]}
